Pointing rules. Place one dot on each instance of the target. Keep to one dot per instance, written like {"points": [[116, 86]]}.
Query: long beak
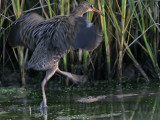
{"points": [[98, 11]]}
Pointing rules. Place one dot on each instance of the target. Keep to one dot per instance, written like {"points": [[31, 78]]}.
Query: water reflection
{"points": [[83, 105], [44, 113]]}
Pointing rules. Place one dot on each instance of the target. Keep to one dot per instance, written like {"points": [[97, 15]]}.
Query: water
{"points": [[96, 103]]}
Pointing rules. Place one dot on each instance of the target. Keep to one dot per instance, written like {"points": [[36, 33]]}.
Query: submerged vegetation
{"points": [[130, 47], [84, 103]]}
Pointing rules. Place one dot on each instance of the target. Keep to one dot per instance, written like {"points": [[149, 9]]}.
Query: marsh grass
{"points": [[130, 34], [18, 11]]}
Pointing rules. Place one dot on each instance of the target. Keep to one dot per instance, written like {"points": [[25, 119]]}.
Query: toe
{"points": [[43, 105]]}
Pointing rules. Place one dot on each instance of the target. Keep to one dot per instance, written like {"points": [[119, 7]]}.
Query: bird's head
{"points": [[84, 7]]}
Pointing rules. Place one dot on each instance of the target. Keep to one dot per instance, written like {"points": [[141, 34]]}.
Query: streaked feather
{"points": [[23, 31], [50, 39]]}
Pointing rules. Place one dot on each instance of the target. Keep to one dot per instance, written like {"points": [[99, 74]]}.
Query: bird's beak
{"points": [[98, 11]]}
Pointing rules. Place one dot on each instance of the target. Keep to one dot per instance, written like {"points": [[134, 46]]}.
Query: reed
{"points": [[71, 54], [65, 56], [129, 21], [153, 109], [2, 34], [104, 30], [17, 8], [142, 26], [123, 34], [126, 26], [49, 8], [119, 26]]}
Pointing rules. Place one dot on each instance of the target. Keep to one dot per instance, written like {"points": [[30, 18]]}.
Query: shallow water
{"points": [[82, 104]]}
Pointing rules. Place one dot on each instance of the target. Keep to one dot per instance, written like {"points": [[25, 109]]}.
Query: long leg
{"points": [[75, 78], [49, 74]]}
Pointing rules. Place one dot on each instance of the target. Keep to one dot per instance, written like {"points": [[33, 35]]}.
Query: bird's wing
{"points": [[62, 34], [23, 31], [55, 39], [87, 36], [42, 58], [74, 33]]}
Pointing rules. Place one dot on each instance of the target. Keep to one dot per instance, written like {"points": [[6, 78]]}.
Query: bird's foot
{"points": [[83, 79], [79, 79], [43, 105]]}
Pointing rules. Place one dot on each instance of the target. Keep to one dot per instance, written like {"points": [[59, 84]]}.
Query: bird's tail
{"points": [[14, 38]]}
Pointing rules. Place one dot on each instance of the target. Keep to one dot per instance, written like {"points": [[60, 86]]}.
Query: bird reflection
{"points": [[44, 112]]}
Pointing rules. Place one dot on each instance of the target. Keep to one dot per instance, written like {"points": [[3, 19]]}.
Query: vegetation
{"points": [[130, 49]]}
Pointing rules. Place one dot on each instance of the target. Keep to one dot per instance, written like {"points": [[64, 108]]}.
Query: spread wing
{"points": [[51, 39], [24, 31], [87, 37], [62, 33], [74, 34]]}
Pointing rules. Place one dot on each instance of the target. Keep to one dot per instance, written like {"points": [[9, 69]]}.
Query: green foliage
{"points": [[130, 30], [11, 91]]}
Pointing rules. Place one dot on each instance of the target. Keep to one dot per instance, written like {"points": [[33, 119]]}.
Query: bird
{"points": [[50, 39]]}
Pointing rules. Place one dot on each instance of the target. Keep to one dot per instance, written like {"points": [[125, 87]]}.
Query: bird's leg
{"points": [[75, 78], [49, 74]]}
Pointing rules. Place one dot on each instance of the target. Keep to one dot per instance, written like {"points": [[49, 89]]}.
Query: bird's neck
{"points": [[79, 11]]}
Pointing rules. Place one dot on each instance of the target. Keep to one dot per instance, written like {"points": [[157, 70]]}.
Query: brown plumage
{"points": [[50, 39]]}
